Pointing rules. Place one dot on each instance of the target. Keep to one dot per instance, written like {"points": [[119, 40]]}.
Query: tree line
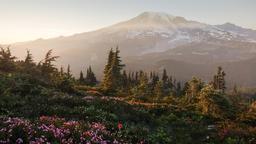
{"points": [[210, 98]]}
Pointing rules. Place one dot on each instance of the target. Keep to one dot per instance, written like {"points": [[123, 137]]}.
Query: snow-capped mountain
{"points": [[151, 38], [172, 27], [171, 31], [249, 34]]}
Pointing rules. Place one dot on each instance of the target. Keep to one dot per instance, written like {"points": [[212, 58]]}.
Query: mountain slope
{"points": [[249, 34], [146, 40]]}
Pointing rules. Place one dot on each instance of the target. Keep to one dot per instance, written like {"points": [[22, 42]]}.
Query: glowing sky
{"points": [[22, 20]]}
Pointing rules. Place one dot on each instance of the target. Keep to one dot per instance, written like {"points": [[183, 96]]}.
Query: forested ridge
{"points": [[41, 103]]}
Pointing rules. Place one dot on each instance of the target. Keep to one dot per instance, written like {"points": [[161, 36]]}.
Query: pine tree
{"points": [[212, 103], [81, 78], [112, 71], [178, 89], [159, 90], [219, 80], [143, 85], [61, 71], [90, 78], [28, 66], [29, 58], [107, 79], [46, 65], [116, 68], [164, 77], [194, 87], [166, 88], [125, 80], [69, 72], [185, 89], [7, 63], [171, 86]]}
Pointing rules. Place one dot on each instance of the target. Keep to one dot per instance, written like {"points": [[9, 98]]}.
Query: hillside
{"points": [[163, 36]]}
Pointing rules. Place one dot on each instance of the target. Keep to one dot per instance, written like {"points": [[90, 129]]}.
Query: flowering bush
{"points": [[55, 130]]}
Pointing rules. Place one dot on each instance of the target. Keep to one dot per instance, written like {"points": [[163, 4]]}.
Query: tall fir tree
{"points": [[164, 77], [7, 61], [81, 78], [107, 82], [61, 71], [46, 65], [29, 59], [194, 87], [112, 71], [159, 90], [90, 78], [69, 72], [219, 80], [116, 68], [142, 88], [28, 66]]}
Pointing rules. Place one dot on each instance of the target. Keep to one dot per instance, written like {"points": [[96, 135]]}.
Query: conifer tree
{"points": [[81, 77], [164, 77], [116, 68], [90, 78], [213, 103], [143, 85], [107, 79], [7, 63], [194, 87], [166, 86], [171, 86], [112, 71], [125, 81], [219, 80], [158, 90], [69, 72], [28, 66], [28, 59], [178, 89], [46, 65], [61, 71]]}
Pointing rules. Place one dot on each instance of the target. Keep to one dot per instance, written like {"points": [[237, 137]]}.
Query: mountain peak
{"points": [[155, 19], [152, 15]]}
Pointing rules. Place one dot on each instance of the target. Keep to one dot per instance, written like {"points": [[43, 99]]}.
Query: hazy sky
{"points": [[23, 20]]}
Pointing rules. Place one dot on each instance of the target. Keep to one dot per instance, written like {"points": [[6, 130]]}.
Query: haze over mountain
{"points": [[153, 41]]}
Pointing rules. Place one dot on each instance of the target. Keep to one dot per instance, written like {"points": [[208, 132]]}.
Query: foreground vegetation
{"points": [[40, 104]]}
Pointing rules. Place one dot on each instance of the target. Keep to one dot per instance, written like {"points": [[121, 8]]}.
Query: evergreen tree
{"points": [[178, 89], [90, 78], [213, 103], [185, 89], [143, 85], [69, 72], [159, 90], [116, 68], [219, 80], [107, 79], [61, 71], [29, 58], [28, 66], [171, 86], [112, 71], [166, 86], [125, 82], [7, 63], [194, 87], [165, 77], [81, 78], [46, 65]]}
